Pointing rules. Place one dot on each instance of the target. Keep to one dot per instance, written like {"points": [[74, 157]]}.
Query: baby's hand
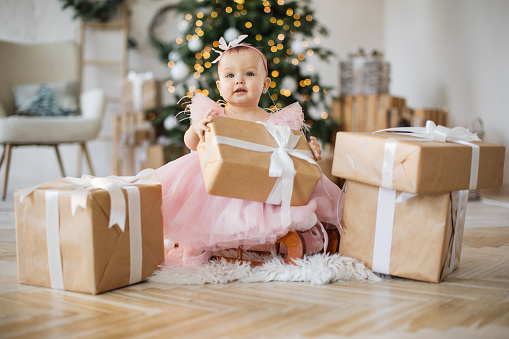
{"points": [[316, 148], [200, 127]]}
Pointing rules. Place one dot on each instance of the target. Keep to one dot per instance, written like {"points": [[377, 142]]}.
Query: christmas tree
{"points": [[285, 31]]}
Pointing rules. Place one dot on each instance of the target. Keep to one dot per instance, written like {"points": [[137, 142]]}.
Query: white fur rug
{"points": [[317, 269]]}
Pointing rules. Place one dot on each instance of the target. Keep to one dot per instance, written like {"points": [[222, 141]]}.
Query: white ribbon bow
{"points": [[138, 79], [234, 43], [436, 133], [112, 184]]}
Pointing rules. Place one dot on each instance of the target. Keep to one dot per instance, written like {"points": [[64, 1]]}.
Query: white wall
{"points": [[351, 24], [453, 53], [442, 53]]}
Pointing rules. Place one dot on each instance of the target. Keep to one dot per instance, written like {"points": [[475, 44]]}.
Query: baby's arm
{"points": [[316, 148], [196, 131]]}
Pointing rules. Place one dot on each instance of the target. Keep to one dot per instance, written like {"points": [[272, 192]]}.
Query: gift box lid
{"points": [[418, 165]]}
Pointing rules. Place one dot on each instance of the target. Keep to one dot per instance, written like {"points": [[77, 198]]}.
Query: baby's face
{"points": [[242, 77]]}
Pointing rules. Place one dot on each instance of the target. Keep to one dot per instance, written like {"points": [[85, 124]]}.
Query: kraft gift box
{"points": [[418, 165], [242, 171], [406, 235], [63, 244]]}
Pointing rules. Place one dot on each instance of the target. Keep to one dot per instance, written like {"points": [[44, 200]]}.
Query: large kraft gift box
{"points": [[238, 172], [81, 252], [422, 241], [419, 166]]}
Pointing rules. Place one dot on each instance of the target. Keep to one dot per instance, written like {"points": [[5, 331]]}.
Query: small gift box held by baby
{"points": [[251, 177]]}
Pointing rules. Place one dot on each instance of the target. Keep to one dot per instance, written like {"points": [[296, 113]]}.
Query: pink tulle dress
{"points": [[201, 223]]}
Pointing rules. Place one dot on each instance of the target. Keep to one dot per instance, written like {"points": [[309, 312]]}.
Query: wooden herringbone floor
{"points": [[472, 303]]}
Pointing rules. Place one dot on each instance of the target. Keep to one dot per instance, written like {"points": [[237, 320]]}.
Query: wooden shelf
{"points": [[98, 27]]}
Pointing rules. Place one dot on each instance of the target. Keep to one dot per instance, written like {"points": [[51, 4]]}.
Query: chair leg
{"points": [[89, 163], [8, 152], [59, 160], [3, 156]]}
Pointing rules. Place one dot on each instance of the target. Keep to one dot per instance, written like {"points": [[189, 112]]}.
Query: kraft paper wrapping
{"points": [[419, 166], [422, 236], [95, 258], [239, 173]]}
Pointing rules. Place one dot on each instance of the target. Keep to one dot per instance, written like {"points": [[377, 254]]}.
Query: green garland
{"points": [[92, 10]]}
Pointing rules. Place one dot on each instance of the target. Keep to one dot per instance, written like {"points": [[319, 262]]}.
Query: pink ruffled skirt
{"points": [[201, 223]]}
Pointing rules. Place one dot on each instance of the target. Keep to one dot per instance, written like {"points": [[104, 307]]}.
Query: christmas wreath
{"points": [[89, 10]]}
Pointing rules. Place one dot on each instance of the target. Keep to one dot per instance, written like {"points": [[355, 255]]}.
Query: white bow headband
{"points": [[234, 44]]}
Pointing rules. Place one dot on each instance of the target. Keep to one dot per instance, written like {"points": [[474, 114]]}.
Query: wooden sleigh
{"points": [[291, 246]]}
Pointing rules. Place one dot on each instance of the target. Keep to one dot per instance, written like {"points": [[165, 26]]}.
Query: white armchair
{"points": [[44, 63]]}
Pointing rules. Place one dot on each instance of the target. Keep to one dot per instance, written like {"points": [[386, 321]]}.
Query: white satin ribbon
{"points": [[431, 132], [118, 211], [135, 238], [385, 222], [383, 230], [281, 165]]}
